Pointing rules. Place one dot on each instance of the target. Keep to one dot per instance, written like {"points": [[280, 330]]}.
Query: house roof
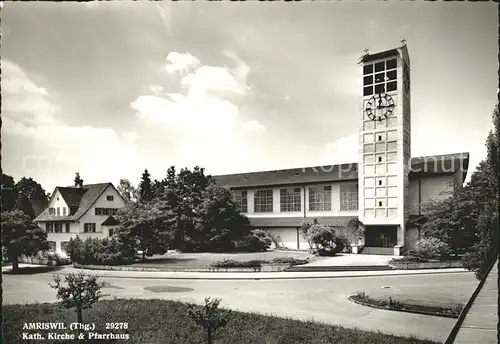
{"points": [[110, 221], [420, 166], [83, 198], [380, 55]]}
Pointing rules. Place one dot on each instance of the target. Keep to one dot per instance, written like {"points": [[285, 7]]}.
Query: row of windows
{"points": [[320, 199], [55, 227], [106, 211], [59, 211]]}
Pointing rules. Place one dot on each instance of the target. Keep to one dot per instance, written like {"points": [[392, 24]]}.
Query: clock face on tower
{"points": [[379, 107]]}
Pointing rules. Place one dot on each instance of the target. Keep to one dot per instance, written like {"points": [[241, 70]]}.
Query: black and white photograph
{"points": [[226, 172]]}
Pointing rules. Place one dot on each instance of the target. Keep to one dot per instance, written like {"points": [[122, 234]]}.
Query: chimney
{"points": [[78, 181]]}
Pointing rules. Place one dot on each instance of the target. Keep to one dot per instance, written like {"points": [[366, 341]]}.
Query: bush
{"points": [[430, 248], [256, 241], [290, 260], [98, 251], [408, 259], [326, 252], [228, 263]]}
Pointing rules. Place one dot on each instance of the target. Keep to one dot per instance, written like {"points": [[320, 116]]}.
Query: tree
{"points": [[80, 291], [9, 193], [145, 227], [452, 220], [24, 205], [210, 317], [31, 189], [127, 190], [21, 236], [145, 187], [222, 223], [484, 182]]}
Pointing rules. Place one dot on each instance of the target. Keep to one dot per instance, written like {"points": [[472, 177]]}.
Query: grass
{"points": [[204, 260], [167, 322]]}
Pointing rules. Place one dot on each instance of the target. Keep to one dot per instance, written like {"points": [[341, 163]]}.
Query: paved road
{"points": [[322, 300]]}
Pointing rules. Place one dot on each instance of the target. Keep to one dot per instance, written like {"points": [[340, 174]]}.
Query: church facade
{"points": [[380, 193]]}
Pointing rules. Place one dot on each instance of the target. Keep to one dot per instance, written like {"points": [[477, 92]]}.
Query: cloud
{"points": [[180, 62], [204, 120], [30, 114], [343, 150]]}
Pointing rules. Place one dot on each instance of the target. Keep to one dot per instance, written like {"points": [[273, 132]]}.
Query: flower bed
{"points": [[394, 305], [415, 263], [50, 259]]}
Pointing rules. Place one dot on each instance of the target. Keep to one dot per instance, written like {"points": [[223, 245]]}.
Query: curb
{"points": [[259, 278], [367, 304]]}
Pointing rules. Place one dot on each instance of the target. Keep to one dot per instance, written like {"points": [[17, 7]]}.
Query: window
{"points": [[263, 201], [64, 245], [379, 159], [67, 227], [49, 227], [52, 246], [52, 211], [290, 199], [57, 227], [382, 78], [64, 211], [58, 211], [109, 198], [89, 227], [320, 198], [348, 197], [106, 211], [111, 232], [240, 196]]}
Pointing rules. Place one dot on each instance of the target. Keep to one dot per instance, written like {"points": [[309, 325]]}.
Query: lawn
{"points": [[161, 321], [203, 260]]}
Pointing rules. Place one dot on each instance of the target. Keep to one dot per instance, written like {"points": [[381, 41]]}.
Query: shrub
{"points": [[290, 260], [79, 291], [430, 248], [340, 244], [210, 317], [326, 252], [256, 241], [99, 251], [228, 263], [408, 259]]}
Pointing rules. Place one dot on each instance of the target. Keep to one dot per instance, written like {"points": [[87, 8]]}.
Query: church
{"points": [[381, 193]]}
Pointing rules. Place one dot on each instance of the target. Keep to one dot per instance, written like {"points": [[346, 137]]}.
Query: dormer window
{"points": [[52, 211], [109, 198]]}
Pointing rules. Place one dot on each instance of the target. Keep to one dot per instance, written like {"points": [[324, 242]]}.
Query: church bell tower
{"points": [[384, 148]]}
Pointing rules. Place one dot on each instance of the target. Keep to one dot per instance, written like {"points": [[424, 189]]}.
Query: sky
{"points": [[108, 89]]}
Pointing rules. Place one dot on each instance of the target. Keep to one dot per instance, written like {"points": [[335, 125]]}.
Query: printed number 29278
{"points": [[116, 326]]}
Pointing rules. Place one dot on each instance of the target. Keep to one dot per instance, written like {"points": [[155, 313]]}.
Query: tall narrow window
{"points": [[348, 197], [290, 200], [89, 227], [240, 197], [263, 201], [320, 198]]}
